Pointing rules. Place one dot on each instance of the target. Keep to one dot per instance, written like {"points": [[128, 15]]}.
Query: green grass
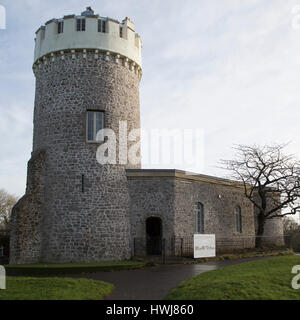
{"points": [[54, 289], [268, 279], [71, 268], [235, 256]]}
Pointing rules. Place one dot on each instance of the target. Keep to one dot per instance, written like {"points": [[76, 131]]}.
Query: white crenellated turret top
{"points": [[88, 31]]}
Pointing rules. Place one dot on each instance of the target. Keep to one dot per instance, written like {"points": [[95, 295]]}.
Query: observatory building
{"points": [[77, 209]]}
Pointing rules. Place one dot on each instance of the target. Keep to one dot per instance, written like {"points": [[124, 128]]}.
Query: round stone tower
{"points": [[76, 209]]}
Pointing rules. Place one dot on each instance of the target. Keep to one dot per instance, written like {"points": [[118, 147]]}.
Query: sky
{"points": [[230, 68]]}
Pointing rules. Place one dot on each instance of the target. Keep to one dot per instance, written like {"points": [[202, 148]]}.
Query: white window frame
{"points": [[102, 22], [94, 125], [80, 24], [60, 26]]}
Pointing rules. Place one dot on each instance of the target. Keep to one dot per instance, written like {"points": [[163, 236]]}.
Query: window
{"points": [[43, 33], [80, 24], [199, 220], [95, 122], [121, 32], [101, 26], [238, 219], [60, 27]]}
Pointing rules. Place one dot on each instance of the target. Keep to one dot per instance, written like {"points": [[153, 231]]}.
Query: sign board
{"points": [[204, 245]]}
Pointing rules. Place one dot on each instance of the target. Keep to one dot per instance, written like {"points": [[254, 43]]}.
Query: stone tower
{"points": [[87, 70]]}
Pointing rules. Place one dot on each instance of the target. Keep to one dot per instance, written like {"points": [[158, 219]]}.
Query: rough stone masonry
{"points": [[77, 210]]}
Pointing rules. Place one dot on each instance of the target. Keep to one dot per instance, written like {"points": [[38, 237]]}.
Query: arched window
{"points": [[238, 219], [199, 219]]}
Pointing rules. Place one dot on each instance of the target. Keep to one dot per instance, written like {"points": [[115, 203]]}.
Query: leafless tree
{"points": [[290, 226], [7, 201], [270, 179]]}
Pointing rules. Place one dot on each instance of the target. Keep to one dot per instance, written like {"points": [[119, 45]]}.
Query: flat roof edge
{"points": [[174, 173]]}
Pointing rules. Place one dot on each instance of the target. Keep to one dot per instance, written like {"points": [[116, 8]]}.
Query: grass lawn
{"points": [[54, 289], [268, 279], [70, 268]]}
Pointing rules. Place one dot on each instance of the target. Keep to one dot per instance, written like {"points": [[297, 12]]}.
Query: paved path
{"points": [[154, 283]]}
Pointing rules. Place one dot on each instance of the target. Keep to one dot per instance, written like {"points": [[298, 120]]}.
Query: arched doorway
{"points": [[154, 236]]}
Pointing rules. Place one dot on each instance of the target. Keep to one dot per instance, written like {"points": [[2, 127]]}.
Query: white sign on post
{"points": [[204, 245]]}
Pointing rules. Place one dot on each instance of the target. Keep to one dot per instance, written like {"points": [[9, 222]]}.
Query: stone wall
{"points": [[273, 229], [219, 200], [26, 218], [151, 198], [274, 232], [85, 216], [173, 197]]}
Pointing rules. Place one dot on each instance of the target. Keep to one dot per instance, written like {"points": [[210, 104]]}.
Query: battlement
{"points": [[88, 31]]}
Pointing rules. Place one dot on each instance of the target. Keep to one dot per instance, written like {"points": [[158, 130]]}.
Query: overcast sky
{"points": [[230, 68]]}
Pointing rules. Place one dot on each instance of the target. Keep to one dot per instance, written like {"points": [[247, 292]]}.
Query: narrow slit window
{"points": [[199, 219], [82, 183], [238, 219], [60, 27], [95, 122], [43, 34], [121, 32]]}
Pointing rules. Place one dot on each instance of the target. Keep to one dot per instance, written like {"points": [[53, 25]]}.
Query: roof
{"points": [[180, 174]]}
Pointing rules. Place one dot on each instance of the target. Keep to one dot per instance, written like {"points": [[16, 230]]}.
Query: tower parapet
{"points": [[89, 31]]}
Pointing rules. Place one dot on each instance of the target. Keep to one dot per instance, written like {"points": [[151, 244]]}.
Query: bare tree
{"points": [[270, 179], [290, 225], [7, 201]]}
